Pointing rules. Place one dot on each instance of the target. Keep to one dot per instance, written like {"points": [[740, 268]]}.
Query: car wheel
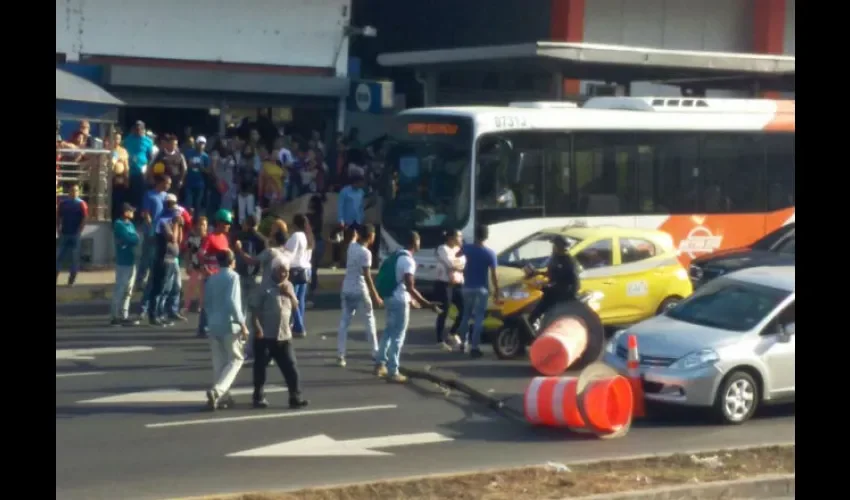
{"points": [[508, 344], [667, 304], [737, 399]]}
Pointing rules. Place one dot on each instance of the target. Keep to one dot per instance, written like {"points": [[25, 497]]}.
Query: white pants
{"points": [[351, 304], [227, 358]]}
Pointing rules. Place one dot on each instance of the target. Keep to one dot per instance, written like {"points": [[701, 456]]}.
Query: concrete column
{"points": [[567, 25]]}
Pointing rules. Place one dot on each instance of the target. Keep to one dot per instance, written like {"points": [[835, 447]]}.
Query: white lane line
{"points": [[78, 374], [84, 354], [169, 396], [264, 416]]}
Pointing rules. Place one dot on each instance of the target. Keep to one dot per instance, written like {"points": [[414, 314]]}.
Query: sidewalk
{"points": [[98, 285]]}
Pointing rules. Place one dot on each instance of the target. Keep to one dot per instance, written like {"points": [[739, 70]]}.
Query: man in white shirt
{"points": [[398, 312], [358, 291]]}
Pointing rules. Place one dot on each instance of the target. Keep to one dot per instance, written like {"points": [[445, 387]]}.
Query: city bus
{"points": [[713, 173]]}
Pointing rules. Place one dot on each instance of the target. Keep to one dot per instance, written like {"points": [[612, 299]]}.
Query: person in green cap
{"points": [[215, 243]]}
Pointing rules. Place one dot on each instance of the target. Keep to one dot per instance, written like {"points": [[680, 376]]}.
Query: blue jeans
{"points": [[146, 258], [318, 253], [125, 276], [474, 306], [195, 199], [169, 298], [389, 350], [299, 323], [69, 245]]}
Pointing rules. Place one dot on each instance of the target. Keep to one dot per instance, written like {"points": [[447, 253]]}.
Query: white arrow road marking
{"points": [[169, 396], [89, 354], [77, 374], [325, 446], [264, 416]]}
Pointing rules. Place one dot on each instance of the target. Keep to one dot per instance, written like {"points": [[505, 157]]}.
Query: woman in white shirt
{"points": [[447, 288], [301, 244]]}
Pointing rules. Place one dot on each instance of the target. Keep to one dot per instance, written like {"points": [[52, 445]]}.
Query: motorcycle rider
{"points": [[563, 277]]}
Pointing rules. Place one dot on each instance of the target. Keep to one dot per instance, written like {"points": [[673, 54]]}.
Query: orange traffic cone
{"points": [[633, 366]]}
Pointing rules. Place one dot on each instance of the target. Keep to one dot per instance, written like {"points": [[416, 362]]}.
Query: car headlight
{"points": [[611, 347], [696, 359], [515, 292]]}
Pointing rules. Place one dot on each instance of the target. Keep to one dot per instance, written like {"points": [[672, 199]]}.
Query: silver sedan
{"points": [[729, 347]]}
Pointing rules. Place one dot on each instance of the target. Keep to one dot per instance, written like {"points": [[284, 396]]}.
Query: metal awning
{"points": [[70, 87], [615, 63]]}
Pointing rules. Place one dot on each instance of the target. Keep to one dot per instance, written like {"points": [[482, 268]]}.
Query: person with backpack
{"points": [[396, 287], [358, 291]]}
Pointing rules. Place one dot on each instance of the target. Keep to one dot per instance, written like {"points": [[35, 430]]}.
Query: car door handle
{"points": [[609, 282]]}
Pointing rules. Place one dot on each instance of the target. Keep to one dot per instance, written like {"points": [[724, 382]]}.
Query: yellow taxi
{"points": [[636, 270]]}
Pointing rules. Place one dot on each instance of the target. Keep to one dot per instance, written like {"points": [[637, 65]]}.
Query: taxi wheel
{"points": [[508, 344], [667, 304], [737, 399]]}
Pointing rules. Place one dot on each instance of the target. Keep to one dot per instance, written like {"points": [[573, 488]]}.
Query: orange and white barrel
{"points": [[603, 407], [559, 346]]}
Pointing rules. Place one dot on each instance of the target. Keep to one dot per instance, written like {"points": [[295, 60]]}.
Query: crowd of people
{"points": [[249, 275]]}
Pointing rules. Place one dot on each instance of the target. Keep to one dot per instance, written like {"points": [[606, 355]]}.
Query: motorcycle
{"points": [[515, 333]]}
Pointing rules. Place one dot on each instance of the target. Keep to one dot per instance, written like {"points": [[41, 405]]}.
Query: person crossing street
{"points": [[271, 313], [228, 331], [358, 291]]}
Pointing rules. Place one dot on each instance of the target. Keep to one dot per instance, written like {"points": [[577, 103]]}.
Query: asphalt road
{"points": [[121, 444]]}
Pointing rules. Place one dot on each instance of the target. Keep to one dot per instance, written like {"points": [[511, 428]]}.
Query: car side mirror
{"points": [[786, 332]]}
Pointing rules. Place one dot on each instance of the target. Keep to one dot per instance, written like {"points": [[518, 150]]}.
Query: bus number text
{"points": [[511, 122]]}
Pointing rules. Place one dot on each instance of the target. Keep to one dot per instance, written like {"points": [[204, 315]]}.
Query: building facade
{"points": [[729, 26], [214, 58]]}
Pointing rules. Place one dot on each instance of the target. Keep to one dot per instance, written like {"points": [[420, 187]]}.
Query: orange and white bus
{"points": [[713, 173]]}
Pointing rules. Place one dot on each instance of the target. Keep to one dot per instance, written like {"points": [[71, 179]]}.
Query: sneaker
{"points": [[129, 322], [115, 322], [380, 371], [260, 404], [212, 399], [462, 347], [340, 361], [299, 335], [398, 378], [177, 317], [165, 321], [155, 322], [444, 347], [475, 353], [297, 403], [454, 340]]}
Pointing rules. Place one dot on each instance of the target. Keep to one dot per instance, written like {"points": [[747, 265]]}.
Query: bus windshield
{"points": [[427, 177]]}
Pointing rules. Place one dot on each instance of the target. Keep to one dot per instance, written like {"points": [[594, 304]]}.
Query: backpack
{"points": [[385, 281]]}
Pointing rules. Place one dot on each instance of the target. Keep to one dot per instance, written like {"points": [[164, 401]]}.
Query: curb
{"points": [[769, 486], [87, 293]]}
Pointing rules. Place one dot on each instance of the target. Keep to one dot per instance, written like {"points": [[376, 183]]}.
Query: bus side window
{"points": [[731, 173], [605, 167], [780, 170]]}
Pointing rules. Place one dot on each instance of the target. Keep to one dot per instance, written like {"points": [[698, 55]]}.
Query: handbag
{"points": [[298, 276]]}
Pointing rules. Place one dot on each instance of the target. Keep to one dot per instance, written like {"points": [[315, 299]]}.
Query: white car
{"points": [[729, 347]]}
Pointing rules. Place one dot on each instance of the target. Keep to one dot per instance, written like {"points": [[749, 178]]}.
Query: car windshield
{"points": [[729, 304], [770, 240], [428, 187], [533, 250]]}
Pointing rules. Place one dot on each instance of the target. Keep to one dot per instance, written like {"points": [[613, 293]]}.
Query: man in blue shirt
{"points": [[70, 220], [198, 162], [126, 239], [351, 204], [480, 262], [152, 206], [140, 150]]}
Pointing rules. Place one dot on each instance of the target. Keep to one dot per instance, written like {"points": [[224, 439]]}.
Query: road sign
{"points": [[89, 354], [325, 446], [169, 396]]}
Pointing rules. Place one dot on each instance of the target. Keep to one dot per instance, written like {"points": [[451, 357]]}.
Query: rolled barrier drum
{"points": [[572, 336], [599, 401], [559, 346]]}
